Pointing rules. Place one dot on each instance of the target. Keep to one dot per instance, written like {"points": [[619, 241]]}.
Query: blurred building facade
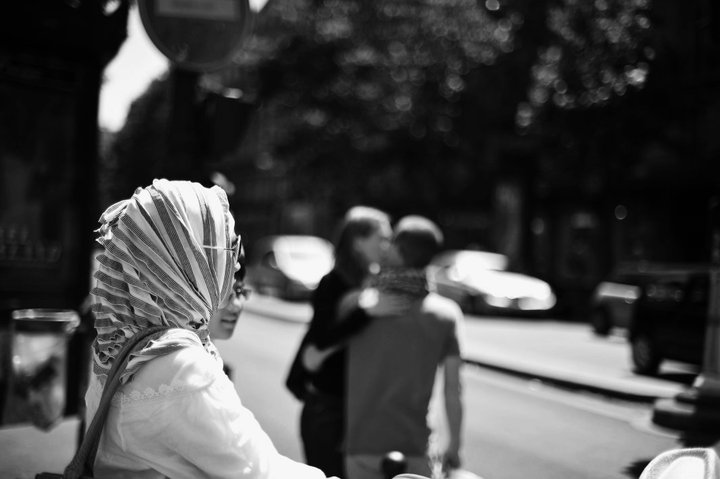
{"points": [[52, 56]]}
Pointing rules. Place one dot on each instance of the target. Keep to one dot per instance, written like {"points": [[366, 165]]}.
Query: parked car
{"points": [[612, 303], [669, 319], [289, 266], [480, 283]]}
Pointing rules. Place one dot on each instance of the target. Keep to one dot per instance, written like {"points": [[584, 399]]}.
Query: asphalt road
{"points": [[259, 354], [519, 428], [514, 427]]}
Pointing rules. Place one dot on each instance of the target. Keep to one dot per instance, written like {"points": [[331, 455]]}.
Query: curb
{"points": [[568, 384]]}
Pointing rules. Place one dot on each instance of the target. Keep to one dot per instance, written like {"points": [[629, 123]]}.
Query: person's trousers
{"points": [[369, 466], [322, 429]]}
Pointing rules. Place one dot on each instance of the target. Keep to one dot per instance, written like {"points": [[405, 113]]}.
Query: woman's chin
{"points": [[223, 330]]}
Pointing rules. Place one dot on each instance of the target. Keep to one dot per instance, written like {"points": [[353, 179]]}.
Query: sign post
{"points": [[196, 36]]}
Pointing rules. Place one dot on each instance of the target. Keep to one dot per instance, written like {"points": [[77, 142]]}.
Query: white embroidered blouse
{"points": [[180, 417]]}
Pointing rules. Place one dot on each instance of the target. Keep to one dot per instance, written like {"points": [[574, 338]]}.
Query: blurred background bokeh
{"points": [[574, 137], [568, 149]]}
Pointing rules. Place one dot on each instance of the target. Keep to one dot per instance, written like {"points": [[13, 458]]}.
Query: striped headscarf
{"points": [[168, 260]]}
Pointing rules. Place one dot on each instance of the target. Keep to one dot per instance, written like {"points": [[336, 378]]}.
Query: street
{"points": [[514, 427], [520, 428]]}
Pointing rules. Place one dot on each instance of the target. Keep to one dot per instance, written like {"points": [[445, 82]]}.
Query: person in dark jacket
{"points": [[363, 237]]}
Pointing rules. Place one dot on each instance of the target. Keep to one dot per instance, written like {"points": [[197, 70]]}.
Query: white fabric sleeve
{"points": [[203, 424]]}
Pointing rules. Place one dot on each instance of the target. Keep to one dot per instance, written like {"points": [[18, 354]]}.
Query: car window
{"points": [[666, 290], [697, 292], [302, 254]]}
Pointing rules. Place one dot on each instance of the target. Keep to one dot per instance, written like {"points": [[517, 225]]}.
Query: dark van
{"points": [[670, 318]]}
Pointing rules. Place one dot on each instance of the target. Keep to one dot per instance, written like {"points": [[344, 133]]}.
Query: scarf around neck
{"points": [[407, 282], [166, 262]]}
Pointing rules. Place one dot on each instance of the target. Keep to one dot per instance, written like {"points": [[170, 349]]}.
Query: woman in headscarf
{"points": [[170, 254]]}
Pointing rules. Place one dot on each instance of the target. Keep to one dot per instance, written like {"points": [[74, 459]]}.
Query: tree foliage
{"points": [[618, 90], [411, 95], [136, 153], [595, 52], [403, 102], [373, 89]]}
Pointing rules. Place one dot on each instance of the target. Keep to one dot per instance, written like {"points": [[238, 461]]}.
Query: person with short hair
{"points": [[393, 361]]}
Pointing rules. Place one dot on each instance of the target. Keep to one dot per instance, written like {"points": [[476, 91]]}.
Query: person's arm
{"points": [[355, 310], [336, 335], [324, 304], [452, 390], [203, 426], [335, 318], [333, 339]]}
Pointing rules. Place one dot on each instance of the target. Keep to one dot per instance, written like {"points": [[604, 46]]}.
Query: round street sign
{"points": [[198, 35]]}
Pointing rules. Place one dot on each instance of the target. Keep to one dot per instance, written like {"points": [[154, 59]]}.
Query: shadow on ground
{"points": [[699, 439], [636, 468]]}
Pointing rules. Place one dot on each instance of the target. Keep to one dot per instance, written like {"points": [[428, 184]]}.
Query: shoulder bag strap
{"points": [[84, 459]]}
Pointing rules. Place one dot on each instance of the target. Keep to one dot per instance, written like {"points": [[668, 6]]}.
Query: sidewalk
{"points": [[26, 450], [562, 353]]}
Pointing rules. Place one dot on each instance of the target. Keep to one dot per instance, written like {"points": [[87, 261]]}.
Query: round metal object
{"points": [[197, 35]]}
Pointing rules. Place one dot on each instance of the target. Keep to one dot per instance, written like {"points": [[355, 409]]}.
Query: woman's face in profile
{"points": [[222, 323], [374, 246]]}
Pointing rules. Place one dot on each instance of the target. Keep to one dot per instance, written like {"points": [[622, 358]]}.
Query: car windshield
{"points": [[468, 263], [304, 256]]}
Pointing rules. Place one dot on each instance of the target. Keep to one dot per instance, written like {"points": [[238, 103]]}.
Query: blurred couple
{"points": [[366, 367]]}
